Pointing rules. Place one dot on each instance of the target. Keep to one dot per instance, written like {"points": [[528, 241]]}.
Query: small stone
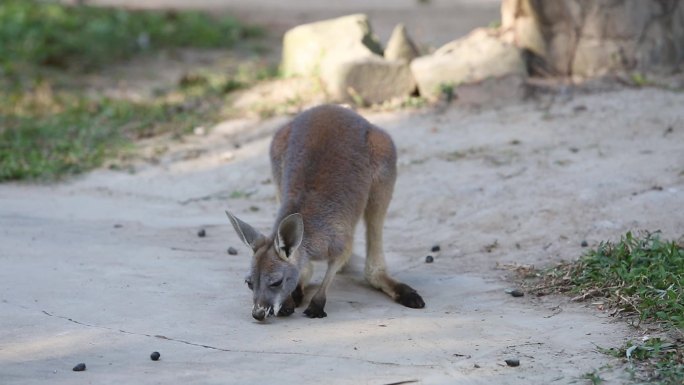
{"points": [[429, 259], [232, 251], [513, 362], [155, 356], [79, 368], [476, 366], [584, 244], [435, 248], [118, 225], [202, 233]]}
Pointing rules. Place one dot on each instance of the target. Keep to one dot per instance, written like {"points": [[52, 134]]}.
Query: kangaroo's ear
{"points": [[290, 234], [247, 233]]}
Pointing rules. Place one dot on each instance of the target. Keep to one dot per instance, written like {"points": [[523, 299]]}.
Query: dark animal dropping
{"points": [[513, 362], [79, 368], [155, 356], [517, 293], [584, 244], [201, 233], [429, 259], [232, 251], [435, 248]]}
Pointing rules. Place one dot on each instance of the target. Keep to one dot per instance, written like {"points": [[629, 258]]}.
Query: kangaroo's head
{"points": [[274, 272]]}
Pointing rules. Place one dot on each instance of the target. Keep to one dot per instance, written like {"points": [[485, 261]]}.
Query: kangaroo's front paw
{"points": [[315, 310], [408, 297], [287, 309], [298, 295]]}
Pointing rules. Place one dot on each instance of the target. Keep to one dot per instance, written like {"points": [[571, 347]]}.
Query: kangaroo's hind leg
{"points": [[384, 161]]}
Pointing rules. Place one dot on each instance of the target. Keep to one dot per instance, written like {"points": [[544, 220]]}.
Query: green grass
{"points": [[653, 361], [642, 275], [639, 277], [593, 377], [75, 133], [52, 127], [50, 34]]}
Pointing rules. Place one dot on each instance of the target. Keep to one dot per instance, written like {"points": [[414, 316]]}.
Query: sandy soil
{"points": [[107, 268]]}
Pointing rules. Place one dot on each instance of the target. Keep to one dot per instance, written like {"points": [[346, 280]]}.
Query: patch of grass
{"points": [[639, 79], [239, 194], [593, 377], [639, 276], [51, 126], [654, 361], [494, 24], [447, 91], [47, 136], [39, 33], [204, 82]]}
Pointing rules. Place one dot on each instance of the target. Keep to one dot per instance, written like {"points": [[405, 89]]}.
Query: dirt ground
{"points": [[108, 267]]}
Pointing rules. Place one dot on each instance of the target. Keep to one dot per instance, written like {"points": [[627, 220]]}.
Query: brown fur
{"points": [[332, 167]]}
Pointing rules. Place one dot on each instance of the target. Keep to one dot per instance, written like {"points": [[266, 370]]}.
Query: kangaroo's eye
{"points": [[277, 283], [249, 284]]}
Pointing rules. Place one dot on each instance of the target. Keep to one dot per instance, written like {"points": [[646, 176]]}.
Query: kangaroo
{"points": [[330, 167]]}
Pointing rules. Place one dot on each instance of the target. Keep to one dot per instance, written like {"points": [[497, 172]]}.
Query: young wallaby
{"points": [[331, 166]]}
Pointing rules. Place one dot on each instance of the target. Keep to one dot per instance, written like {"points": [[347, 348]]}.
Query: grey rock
{"points": [[595, 38], [345, 55], [476, 57], [369, 80], [309, 48], [400, 46]]}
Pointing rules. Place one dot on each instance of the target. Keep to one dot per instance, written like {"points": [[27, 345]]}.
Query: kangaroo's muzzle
{"points": [[260, 313]]}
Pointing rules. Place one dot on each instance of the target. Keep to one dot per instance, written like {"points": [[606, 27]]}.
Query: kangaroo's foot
{"points": [[408, 297], [315, 309]]}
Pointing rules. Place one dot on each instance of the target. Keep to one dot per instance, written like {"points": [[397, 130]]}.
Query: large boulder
{"points": [[309, 48], [476, 57], [369, 80], [346, 57], [594, 37]]}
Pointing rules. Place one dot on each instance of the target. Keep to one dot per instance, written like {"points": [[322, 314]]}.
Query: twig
{"points": [[589, 294], [525, 344]]}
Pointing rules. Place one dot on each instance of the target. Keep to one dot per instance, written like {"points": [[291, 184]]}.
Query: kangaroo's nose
{"points": [[259, 314]]}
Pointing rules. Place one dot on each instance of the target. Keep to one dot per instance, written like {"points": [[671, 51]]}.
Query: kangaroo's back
{"points": [[323, 164]]}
